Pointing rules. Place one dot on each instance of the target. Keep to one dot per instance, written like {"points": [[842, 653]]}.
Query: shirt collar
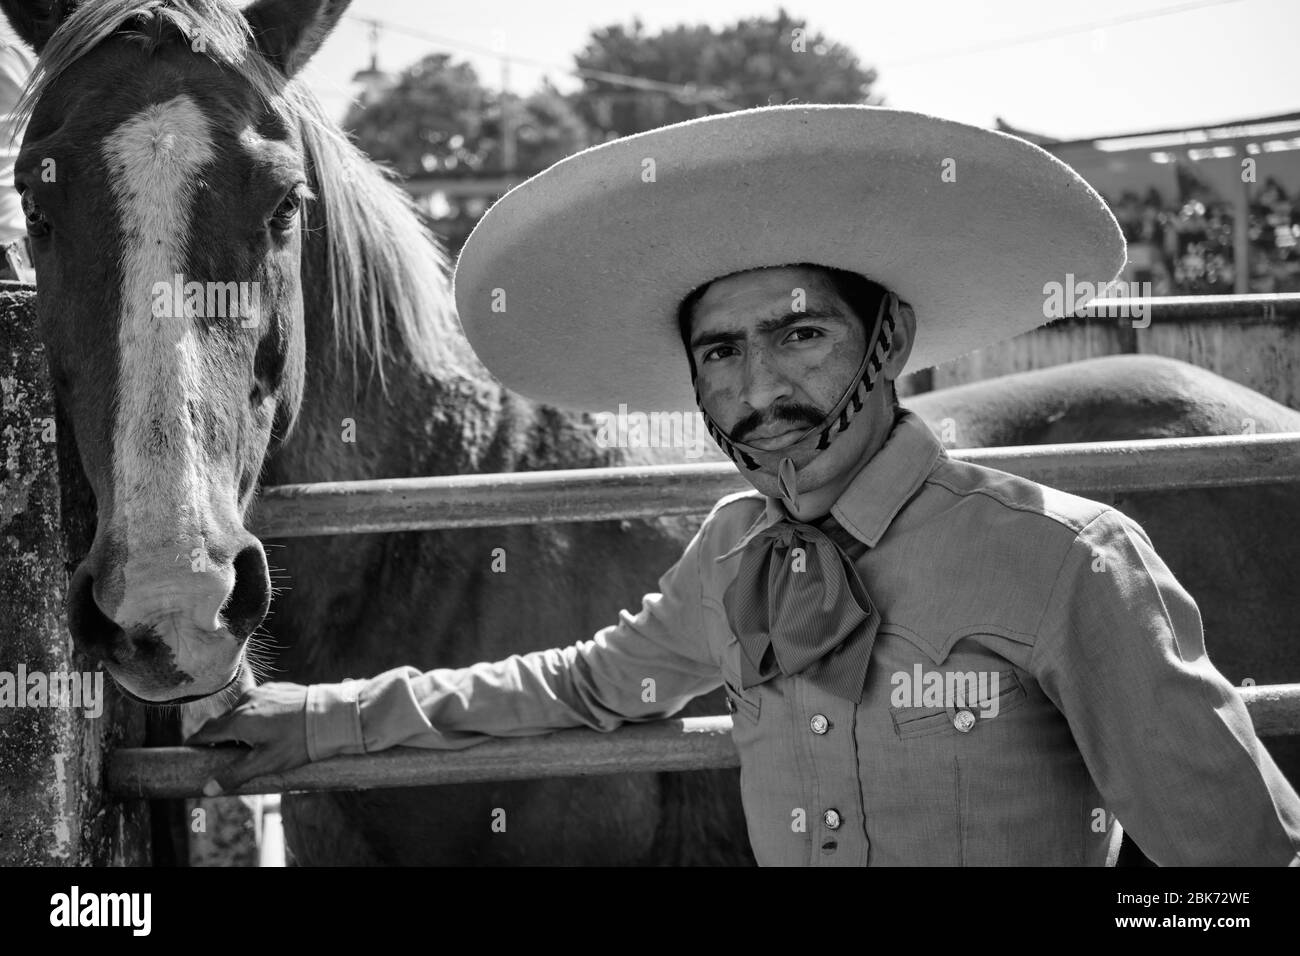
{"points": [[877, 492]]}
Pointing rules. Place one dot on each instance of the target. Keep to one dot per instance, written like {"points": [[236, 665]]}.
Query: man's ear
{"points": [[36, 20], [289, 32], [900, 346]]}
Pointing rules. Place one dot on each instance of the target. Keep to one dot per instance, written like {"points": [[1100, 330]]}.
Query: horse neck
{"points": [[352, 426]]}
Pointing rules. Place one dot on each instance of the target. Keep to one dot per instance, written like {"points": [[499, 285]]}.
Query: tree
{"points": [[431, 120], [438, 118], [755, 62], [547, 129]]}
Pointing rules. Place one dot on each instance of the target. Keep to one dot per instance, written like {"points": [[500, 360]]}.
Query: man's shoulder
{"points": [[737, 506], [1041, 543], [733, 515], [1044, 533], [1008, 500]]}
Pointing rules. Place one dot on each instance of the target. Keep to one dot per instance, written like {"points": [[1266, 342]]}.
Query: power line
{"points": [[686, 92], [716, 97], [1056, 33]]}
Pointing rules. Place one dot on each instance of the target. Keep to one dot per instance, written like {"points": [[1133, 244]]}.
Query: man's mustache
{"points": [[796, 416]]}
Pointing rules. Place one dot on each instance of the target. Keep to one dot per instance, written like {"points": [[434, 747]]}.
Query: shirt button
{"points": [[832, 819], [819, 723], [964, 721]]}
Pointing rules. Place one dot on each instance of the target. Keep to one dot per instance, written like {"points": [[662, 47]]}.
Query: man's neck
{"points": [[815, 504]]}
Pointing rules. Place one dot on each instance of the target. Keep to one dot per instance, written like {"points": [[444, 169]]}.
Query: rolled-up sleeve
{"points": [[1167, 739], [645, 667]]}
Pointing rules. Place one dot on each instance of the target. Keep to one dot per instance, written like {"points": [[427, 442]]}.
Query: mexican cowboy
{"points": [[923, 664]]}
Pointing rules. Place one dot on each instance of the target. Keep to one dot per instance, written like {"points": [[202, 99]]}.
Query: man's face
{"points": [[774, 350]]}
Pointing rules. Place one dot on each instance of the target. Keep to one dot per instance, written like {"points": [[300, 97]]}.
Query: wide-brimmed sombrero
{"points": [[569, 286]]}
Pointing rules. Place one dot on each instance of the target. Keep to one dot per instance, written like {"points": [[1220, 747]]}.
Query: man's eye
{"points": [[713, 352], [813, 333]]}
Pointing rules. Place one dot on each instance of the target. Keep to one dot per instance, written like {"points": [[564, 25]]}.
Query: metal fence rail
{"points": [[1256, 307], [691, 743], [610, 493], [602, 494]]}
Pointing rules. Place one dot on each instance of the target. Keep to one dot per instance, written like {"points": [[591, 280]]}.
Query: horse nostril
{"points": [[92, 630], [250, 598]]}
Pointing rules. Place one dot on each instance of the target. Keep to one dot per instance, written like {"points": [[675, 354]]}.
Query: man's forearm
{"points": [[645, 667], [452, 708], [590, 684]]}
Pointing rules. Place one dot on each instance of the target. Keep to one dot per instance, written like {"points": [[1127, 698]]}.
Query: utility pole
{"points": [[508, 151], [373, 80], [1241, 239]]}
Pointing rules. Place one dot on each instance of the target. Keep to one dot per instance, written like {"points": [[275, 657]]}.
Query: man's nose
{"points": [[763, 383]]}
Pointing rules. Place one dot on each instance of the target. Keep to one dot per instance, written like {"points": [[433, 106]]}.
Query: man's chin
{"points": [[808, 474]]}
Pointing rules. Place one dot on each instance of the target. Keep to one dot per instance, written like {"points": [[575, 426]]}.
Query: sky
{"points": [[1082, 69], [1071, 69]]}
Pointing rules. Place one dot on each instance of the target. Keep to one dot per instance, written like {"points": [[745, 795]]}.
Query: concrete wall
{"points": [[53, 809], [1260, 354]]}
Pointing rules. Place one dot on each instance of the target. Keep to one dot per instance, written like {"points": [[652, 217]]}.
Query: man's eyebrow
{"points": [[774, 324]]}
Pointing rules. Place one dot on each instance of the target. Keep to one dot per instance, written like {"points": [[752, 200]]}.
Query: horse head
{"points": [[163, 175]]}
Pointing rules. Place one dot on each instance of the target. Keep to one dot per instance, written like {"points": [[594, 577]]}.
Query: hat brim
{"points": [[568, 288]]}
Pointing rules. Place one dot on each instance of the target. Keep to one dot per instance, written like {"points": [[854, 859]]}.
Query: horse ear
{"points": [[289, 32], [36, 20]]}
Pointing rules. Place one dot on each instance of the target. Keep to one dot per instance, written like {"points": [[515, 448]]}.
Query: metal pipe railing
{"points": [[603, 494], [690, 743], [1255, 307]]}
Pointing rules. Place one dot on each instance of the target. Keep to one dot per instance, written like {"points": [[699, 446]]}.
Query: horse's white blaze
{"points": [[161, 495]]}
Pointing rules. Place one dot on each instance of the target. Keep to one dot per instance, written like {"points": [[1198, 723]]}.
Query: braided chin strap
{"points": [[821, 435]]}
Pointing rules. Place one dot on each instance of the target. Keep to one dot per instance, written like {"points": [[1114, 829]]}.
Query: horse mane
{"points": [[382, 259]]}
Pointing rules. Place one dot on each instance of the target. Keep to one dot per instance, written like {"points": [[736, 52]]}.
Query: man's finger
{"points": [[260, 761], [218, 730]]}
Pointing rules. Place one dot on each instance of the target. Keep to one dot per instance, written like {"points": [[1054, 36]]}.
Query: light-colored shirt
{"points": [[1039, 678]]}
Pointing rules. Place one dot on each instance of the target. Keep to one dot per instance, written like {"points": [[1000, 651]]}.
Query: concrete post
{"points": [[53, 806]]}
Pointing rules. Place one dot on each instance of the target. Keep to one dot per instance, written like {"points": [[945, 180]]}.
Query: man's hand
{"points": [[272, 720]]}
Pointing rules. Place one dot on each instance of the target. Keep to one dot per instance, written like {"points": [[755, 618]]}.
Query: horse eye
{"points": [[285, 212], [37, 224]]}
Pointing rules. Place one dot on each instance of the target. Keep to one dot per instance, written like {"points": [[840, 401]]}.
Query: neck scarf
{"points": [[797, 606]]}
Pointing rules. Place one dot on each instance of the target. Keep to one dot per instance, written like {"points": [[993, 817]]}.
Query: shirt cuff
{"points": [[334, 720]]}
